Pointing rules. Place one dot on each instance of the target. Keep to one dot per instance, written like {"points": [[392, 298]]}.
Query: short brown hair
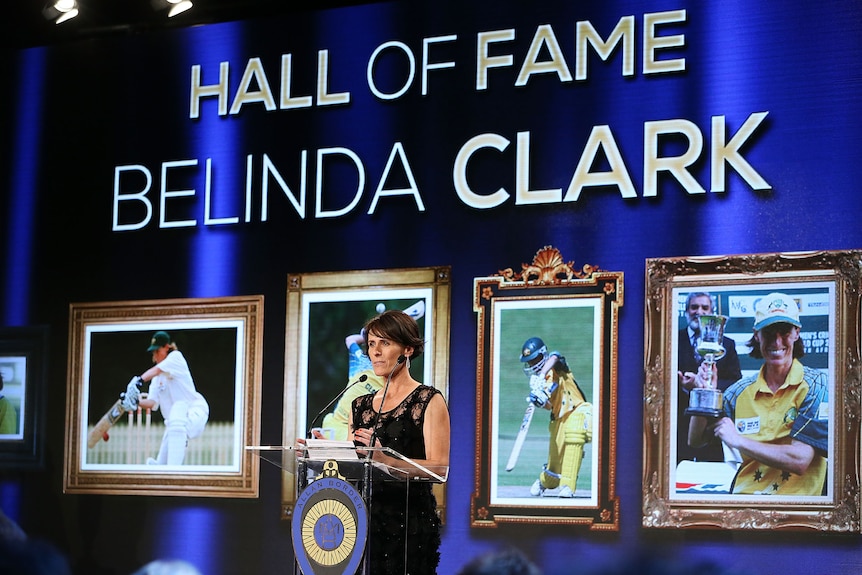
{"points": [[397, 326]]}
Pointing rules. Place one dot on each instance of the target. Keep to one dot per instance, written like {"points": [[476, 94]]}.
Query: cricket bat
{"points": [[101, 429], [522, 435]]}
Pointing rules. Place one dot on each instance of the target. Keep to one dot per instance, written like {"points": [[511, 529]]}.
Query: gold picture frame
{"points": [[573, 312], [697, 492], [221, 339], [322, 310]]}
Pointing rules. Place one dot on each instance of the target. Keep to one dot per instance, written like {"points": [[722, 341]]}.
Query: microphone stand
{"points": [[366, 487], [302, 468], [302, 477], [361, 379]]}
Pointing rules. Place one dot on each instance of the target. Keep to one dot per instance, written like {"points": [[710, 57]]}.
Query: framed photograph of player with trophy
{"points": [[546, 395], [22, 388], [325, 361], [164, 397], [752, 392]]}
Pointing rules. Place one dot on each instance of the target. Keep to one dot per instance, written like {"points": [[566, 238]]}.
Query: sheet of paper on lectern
{"points": [[325, 449]]}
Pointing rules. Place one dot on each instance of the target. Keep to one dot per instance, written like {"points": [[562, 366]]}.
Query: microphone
{"points": [[398, 363], [361, 379]]}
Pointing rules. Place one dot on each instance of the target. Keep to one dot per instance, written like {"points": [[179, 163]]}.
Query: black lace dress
{"points": [[401, 430]]}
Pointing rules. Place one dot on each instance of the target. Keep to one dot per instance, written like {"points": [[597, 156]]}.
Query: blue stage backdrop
{"points": [[214, 160]]}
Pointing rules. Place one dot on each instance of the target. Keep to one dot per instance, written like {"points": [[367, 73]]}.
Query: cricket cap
{"points": [[159, 339], [776, 308]]}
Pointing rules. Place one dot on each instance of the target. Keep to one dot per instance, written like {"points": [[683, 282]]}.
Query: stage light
{"points": [[176, 6], [179, 7], [60, 11]]}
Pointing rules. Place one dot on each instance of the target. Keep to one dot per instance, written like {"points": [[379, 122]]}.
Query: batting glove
{"points": [[132, 394], [542, 395], [539, 397], [129, 403], [537, 383]]}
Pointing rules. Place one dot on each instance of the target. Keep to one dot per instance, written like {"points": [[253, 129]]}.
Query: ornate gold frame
{"points": [[241, 318], [572, 309], [837, 275], [357, 291]]}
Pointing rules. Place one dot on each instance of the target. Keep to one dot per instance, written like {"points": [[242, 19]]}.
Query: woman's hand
{"points": [[725, 430], [707, 376], [362, 436], [686, 379]]}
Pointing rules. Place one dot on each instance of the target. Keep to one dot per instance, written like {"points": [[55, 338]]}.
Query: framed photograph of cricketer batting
{"points": [[752, 392], [23, 352], [164, 397], [326, 365], [546, 394]]}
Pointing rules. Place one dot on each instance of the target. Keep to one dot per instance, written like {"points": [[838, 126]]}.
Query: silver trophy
{"points": [[708, 401]]}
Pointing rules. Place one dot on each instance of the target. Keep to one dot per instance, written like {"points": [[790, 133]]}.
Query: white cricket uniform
{"points": [[175, 395]]}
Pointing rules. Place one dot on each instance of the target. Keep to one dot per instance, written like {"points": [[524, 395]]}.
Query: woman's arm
{"points": [[147, 376], [787, 454], [437, 433]]}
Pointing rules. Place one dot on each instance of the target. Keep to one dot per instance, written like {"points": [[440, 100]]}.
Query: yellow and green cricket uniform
{"points": [[799, 409], [571, 427]]}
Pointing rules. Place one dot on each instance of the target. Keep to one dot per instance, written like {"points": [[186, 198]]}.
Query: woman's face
{"points": [[160, 354], [776, 343], [384, 353]]}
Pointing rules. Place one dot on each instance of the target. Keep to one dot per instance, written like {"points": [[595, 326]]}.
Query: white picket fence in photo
{"points": [[132, 442]]}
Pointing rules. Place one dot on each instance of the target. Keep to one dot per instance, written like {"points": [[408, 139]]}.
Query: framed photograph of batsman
{"points": [[326, 365], [546, 401], [752, 392], [164, 396], [22, 372]]}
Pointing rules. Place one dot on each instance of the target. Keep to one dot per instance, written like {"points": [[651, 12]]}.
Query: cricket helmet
{"points": [[534, 353]]}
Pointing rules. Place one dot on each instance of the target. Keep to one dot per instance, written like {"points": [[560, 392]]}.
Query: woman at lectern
{"points": [[414, 421]]}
